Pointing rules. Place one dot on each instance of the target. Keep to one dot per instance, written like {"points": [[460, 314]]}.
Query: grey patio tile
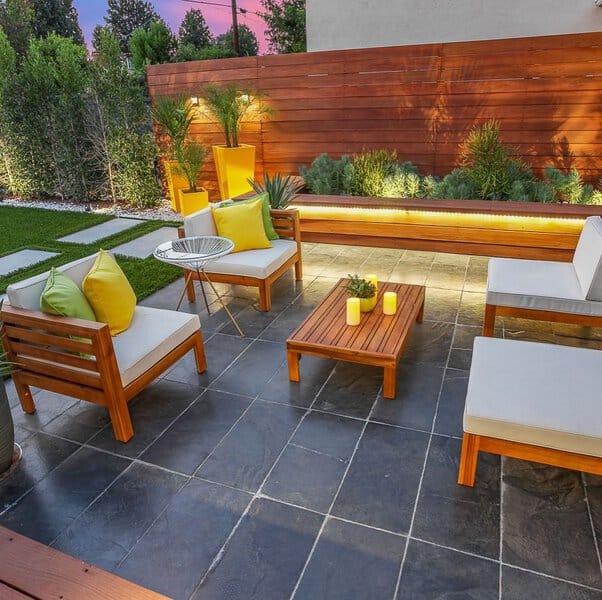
{"points": [[79, 422], [49, 406], [64, 494], [249, 372], [21, 259], [175, 553], [194, 435], [247, 453], [446, 276], [41, 454], [433, 572], [99, 232], [441, 304], [418, 388], [457, 516], [352, 561], [381, 485], [451, 403], [105, 533], [594, 496], [351, 390], [546, 523], [522, 585], [265, 556], [472, 308], [429, 342], [312, 465], [460, 358], [152, 412], [145, 245]]}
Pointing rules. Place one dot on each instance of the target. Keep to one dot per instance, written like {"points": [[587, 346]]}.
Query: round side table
{"points": [[193, 254]]}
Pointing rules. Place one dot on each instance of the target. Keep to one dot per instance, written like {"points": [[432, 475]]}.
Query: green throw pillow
{"points": [[270, 232], [62, 297]]}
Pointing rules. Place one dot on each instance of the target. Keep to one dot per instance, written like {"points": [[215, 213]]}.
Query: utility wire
{"points": [[242, 11]]}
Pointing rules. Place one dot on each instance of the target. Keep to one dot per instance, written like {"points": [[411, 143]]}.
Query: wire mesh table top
{"points": [[193, 252]]}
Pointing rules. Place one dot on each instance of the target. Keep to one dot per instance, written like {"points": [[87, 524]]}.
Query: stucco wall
{"points": [[343, 24]]}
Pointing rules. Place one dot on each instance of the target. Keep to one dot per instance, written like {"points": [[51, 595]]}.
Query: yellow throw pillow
{"points": [[243, 224], [109, 293]]}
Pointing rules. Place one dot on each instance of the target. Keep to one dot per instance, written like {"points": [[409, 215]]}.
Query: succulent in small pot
{"points": [[364, 290]]}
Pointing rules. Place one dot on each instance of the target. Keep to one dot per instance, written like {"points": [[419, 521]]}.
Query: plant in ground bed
{"points": [[325, 175], [280, 188], [366, 173]]}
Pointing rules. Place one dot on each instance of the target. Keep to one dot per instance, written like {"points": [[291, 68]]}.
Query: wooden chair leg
{"points": [[489, 320], [299, 270], [199, 354], [468, 459], [190, 293], [121, 420], [25, 396], [265, 296]]}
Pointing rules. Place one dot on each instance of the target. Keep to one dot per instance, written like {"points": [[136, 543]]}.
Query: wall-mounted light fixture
{"points": [[194, 100]]}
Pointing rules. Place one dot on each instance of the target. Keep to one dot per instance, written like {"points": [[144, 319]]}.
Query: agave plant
{"points": [[280, 188]]}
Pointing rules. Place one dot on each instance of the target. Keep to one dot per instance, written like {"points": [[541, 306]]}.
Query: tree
{"points": [[194, 30], [286, 25], [125, 16], [16, 19], [246, 40], [151, 46], [56, 16]]}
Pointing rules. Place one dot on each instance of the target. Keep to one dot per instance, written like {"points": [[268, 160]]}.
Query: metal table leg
{"points": [[219, 298]]}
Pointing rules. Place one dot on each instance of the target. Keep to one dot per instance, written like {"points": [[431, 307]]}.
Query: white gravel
{"points": [[162, 211]]}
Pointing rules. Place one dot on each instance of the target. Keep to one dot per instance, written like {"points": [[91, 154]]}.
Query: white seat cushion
{"points": [[254, 263], [588, 259], [200, 223], [539, 394], [152, 334], [26, 293], [537, 284]]}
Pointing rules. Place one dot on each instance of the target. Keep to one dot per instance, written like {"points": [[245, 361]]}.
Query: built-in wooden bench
{"points": [[29, 569]]}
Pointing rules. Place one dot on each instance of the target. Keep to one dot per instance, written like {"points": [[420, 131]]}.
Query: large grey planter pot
{"points": [[7, 431]]}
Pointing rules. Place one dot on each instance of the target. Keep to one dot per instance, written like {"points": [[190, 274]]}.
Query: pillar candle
{"points": [[389, 303], [373, 280], [353, 311]]}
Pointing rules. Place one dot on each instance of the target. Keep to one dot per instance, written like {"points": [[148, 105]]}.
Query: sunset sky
{"points": [[219, 19]]}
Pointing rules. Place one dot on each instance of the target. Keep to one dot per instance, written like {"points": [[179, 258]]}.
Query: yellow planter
{"points": [[175, 183], [234, 166], [190, 202], [367, 304]]}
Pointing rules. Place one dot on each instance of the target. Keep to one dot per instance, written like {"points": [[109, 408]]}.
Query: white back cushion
{"points": [[26, 294], [588, 259], [200, 223]]}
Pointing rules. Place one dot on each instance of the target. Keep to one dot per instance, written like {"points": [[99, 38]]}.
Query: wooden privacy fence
{"points": [[420, 100]]}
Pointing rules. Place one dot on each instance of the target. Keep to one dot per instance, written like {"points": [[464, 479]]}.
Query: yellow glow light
{"points": [[428, 217]]}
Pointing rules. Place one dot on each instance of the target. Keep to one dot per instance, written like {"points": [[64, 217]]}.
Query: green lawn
{"points": [[37, 228]]}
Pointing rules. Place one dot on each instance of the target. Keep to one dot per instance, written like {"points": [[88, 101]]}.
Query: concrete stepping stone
{"points": [[21, 259], [145, 245], [99, 232]]}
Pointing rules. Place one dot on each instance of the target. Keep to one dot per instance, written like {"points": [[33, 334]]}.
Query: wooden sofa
{"points": [[533, 401], [256, 268], [79, 358]]}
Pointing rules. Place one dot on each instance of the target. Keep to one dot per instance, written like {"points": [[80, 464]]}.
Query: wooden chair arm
{"points": [[287, 224], [181, 232]]}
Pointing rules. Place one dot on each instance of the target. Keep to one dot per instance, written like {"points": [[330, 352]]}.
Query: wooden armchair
{"points": [[79, 358], [256, 268]]}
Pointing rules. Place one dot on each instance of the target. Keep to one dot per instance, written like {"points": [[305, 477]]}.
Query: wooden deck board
{"points": [[31, 570]]}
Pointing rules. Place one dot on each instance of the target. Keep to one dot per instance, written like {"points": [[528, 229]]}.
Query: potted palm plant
{"points": [[234, 162], [7, 429], [190, 157], [364, 290], [173, 117]]}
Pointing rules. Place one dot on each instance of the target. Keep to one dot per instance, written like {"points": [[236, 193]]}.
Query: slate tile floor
{"points": [[239, 484]]}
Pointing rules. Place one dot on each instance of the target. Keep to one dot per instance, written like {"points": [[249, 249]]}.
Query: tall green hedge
{"points": [[74, 127]]}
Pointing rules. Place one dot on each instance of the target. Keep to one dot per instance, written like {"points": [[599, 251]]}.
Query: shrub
{"points": [[458, 184], [428, 186], [135, 157], [325, 175], [366, 173], [567, 187], [404, 182], [489, 164]]}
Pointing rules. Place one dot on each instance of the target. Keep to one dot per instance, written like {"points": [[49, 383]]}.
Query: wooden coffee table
{"points": [[378, 340]]}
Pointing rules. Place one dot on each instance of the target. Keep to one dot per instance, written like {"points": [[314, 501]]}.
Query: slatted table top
{"points": [[377, 335]]}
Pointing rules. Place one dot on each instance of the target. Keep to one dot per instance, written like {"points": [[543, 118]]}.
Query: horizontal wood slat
{"points": [[420, 100]]}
